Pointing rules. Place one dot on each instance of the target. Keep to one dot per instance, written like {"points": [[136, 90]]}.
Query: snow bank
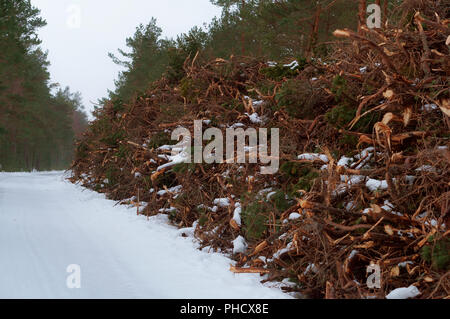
{"points": [[121, 255]]}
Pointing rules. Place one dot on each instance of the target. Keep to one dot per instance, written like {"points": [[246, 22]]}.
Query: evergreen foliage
{"points": [[37, 128]]}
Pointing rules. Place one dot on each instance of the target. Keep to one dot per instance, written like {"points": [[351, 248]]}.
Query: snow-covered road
{"points": [[47, 224]]}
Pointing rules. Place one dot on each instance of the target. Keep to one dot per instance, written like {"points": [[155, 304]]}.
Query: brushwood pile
{"points": [[364, 179]]}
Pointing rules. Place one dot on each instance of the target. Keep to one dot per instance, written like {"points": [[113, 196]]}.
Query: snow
{"points": [[345, 161], [429, 107], [258, 103], [165, 148], [283, 251], [311, 268], [422, 216], [426, 168], [188, 231], [349, 206], [239, 245], [432, 222], [348, 181], [294, 216], [255, 118], [222, 202], [314, 157], [237, 214], [215, 209], [182, 157], [353, 179], [365, 153], [404, 293], [293, 65], [388, 206], [168, 210], [237, 125], [376, 185], [410, 179], [47, 224], [173, 190], [403, 264], [286, 282], [353, 254], [270, 195]]}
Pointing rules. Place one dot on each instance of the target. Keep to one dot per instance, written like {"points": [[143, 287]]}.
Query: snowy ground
{"points": [[47, 224]]}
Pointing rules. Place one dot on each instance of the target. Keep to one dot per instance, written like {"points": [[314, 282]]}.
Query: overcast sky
{"points": [[80, 33]]}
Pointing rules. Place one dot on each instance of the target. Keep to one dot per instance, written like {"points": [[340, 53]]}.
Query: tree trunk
{"points": [[362, 14], [243, 32], [314, 31], [385, 12]]}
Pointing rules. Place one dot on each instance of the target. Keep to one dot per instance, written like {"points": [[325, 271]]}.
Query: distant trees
{"points": [[275, 30], [264, 28], [144, 63], [278, 29], [36, 127], [150, 57]]}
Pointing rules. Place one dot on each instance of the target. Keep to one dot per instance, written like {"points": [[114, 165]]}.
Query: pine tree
{"points": [[35, 127]]}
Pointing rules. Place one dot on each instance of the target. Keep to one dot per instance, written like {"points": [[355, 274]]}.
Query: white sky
{"points": [[78, 44]]}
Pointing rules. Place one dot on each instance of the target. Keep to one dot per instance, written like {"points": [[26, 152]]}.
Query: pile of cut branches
{"points": [[364, 179]]}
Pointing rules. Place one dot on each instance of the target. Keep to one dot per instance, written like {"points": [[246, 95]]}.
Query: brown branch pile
{"points": [[378, 113]]}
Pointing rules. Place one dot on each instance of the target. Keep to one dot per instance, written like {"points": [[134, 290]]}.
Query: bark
{"points": [[385, 12], [314, 31], [362, 14]]}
